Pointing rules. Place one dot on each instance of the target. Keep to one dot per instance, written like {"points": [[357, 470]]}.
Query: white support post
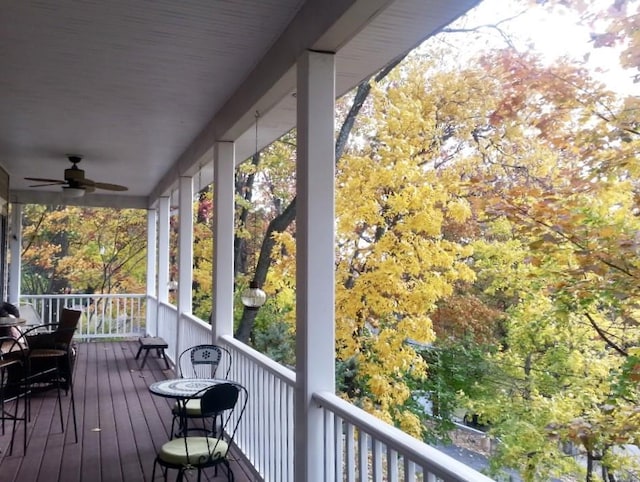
{"points": [[185, 253], [152, 251], [315, 280], [223, 236], [163, 249], [15, 247]]}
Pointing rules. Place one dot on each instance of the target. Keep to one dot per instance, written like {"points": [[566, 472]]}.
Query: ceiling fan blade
{"points": [[57, 183], [101, 185], [110, 187], [40, 179]]}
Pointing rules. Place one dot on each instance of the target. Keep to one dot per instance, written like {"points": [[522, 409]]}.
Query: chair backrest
{"points": [[230, 400], [69, 320], [203, 361], [53, 335]]}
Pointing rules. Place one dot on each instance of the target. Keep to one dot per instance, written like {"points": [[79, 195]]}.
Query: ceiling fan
{"points": [[75, 184]]}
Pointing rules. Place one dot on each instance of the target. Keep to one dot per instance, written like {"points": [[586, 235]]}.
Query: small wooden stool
{"points": [[149, 343]]}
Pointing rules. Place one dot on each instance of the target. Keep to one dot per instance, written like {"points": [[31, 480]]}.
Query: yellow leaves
{"points": [[380, 387], [410, 423], [459, 210]]}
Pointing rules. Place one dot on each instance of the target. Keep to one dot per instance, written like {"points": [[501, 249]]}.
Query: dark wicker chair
{"points": [[50, 359], [51, 336]]}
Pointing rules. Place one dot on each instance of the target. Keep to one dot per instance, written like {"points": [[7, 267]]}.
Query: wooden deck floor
{"points": [[120, 424]]}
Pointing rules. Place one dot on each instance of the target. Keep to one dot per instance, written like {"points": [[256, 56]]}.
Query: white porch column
{"points": [[163, 249], [315, 280], [223, 227], [15, 248], [152, 252], [185, 252]]}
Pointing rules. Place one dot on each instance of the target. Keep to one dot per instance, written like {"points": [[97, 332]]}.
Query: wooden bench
{"points": [[152, 343]]}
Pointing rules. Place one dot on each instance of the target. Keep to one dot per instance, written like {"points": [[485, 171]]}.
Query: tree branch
{"points": [[604, 337]]}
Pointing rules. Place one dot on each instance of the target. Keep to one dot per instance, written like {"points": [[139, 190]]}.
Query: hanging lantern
{"points": [[253, 297]]}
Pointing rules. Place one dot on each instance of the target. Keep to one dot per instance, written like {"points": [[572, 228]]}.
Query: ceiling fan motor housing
{"points": [[74, 174]]}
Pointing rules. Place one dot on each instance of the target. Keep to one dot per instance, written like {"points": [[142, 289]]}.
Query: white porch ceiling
{"points": [[142, 89]]}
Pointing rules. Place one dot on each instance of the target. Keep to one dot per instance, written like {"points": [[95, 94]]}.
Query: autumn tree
{"points": [[558, 163], [43, 245], [99, 250], [202, 254]]}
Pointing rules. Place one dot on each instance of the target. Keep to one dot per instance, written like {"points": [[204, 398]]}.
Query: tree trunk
{"points": [[283, 221]]}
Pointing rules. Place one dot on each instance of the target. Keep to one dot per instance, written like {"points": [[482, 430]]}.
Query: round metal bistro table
{"points": [[182, 389], [10, 321]]}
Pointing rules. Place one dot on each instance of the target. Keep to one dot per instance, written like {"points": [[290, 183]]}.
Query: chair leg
{"points": [[59, 395], [15, 418], [3, 381], [13, 429], [25, 398], [230, 475], [73, 412], [27, 388], [179, 430], [23, 419], [69, 388]]}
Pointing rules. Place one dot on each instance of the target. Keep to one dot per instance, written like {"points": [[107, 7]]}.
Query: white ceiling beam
{"points": [[55, 198]]}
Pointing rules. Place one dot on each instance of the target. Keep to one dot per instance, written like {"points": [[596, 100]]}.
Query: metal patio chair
{"points": [[208, 450], [200, 361]]}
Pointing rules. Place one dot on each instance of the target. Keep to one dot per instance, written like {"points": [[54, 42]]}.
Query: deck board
{"points": [[121, 424]]}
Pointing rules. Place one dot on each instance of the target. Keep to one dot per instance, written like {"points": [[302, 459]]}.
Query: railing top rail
{"points": [[167, 305], [82, 295], [422, 454], [277, 370], [194, 319]]}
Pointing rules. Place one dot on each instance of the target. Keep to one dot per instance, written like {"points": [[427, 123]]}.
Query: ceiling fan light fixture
{"points": [[69, 192]]}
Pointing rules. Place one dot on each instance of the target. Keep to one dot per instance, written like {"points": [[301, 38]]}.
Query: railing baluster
{"points": [[376, 462], [351, 453], [338, 441], [392, 465]]}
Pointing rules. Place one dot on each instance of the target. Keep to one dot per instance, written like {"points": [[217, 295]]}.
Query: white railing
{"points": [[357, 446], [265, 435], [103, 316], [167, 328], [152, 319], [194, 331]]}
